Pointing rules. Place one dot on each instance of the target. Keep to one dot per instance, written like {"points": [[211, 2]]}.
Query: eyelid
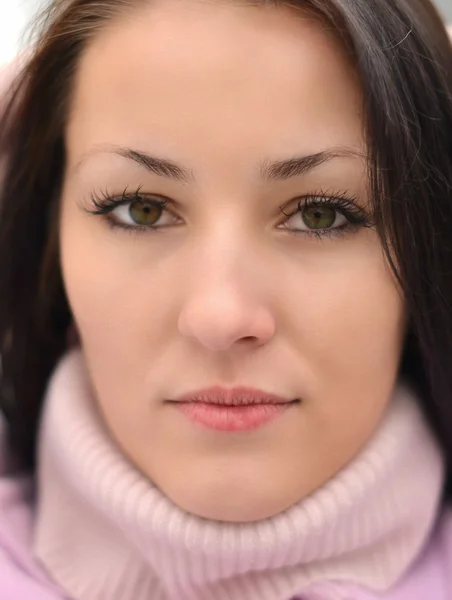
{"points": [[105, 202], [342, 201]]}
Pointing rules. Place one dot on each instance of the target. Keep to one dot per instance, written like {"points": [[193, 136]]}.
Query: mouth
{"points": [[236, 396], [233, 410]]}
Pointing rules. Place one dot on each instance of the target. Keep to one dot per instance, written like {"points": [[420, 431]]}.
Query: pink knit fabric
{"points": [[104, 532]]}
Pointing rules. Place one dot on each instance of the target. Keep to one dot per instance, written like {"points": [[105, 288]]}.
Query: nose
{"points": [[226, 307]]}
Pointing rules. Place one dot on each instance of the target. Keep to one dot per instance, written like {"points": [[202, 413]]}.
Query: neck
{"points": [[105, 532]]}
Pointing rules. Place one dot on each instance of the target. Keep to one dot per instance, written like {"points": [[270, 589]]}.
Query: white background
{"points": [[15, 14]]}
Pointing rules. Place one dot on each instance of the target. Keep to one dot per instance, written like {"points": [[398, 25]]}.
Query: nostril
{"points": [[248, 338]]}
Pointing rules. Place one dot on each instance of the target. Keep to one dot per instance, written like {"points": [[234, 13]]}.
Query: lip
{"points": [[237, 396], [232, 409]]}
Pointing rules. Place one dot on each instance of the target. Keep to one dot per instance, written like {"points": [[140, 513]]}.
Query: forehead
{"points": [[210, 76]]}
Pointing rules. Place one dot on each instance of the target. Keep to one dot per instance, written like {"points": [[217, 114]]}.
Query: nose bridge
{"points": [[226, 257], [224, 299], [224, 253]]}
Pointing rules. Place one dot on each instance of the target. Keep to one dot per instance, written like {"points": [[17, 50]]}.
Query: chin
{"points": [[231, 503]]}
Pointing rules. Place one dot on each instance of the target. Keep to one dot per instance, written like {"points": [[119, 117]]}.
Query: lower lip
{"points": [[232, 418]]}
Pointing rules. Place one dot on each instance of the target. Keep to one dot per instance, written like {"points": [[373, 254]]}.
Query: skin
{"points": [[225, 294]]}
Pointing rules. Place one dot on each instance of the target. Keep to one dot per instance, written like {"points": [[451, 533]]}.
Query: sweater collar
{"points": [[105, 532]]}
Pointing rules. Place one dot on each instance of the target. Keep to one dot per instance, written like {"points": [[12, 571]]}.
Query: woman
{"points": [[225, 316]]}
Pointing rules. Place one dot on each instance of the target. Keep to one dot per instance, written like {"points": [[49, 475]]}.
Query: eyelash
{"points": [[104, 203]]}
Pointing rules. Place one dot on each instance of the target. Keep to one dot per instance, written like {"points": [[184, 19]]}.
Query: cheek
{"points": [[113, 310], [348, 313], [353, 330], [361, 325]]}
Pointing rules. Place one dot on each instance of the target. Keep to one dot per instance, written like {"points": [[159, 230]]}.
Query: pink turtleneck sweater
{"points": [[100, 530]]}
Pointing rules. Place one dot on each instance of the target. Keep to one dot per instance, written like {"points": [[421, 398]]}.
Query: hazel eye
{"points": [[321, 217], [143, 213], [317, 218]]}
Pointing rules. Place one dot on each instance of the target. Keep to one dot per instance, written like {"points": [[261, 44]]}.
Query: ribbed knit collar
{"points": [[105, 532]]}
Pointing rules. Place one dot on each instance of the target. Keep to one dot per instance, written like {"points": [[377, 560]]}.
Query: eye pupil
{"points": [[319, 217], [144, 213]]}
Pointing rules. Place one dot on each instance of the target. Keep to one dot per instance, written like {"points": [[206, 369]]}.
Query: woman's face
{"points": [[227, 290]]}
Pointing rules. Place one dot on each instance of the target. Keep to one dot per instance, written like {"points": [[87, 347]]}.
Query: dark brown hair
{"points": [[404, 59]]}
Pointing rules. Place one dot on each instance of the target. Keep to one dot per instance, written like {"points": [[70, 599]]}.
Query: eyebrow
{"points": [[279, 170], [294, 167]]}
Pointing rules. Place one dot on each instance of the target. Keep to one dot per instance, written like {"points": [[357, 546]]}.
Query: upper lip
{"points": [[237, 396]]}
